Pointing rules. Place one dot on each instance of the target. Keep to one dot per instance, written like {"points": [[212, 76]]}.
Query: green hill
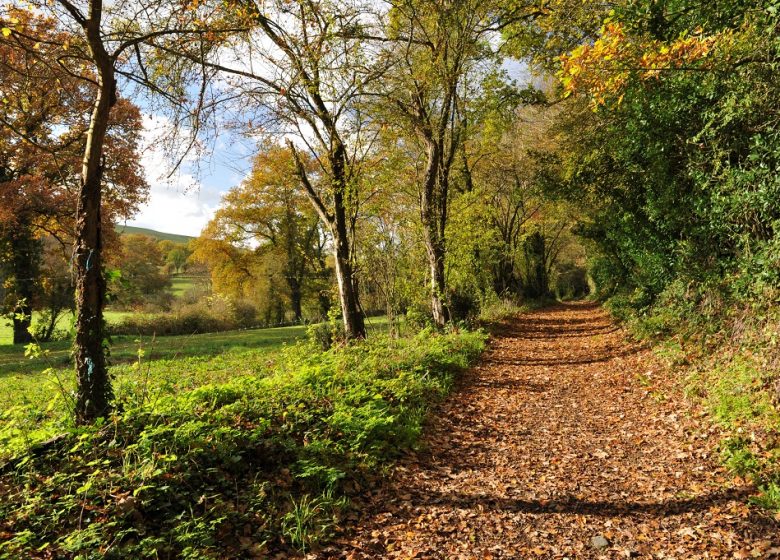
{"points": [[159, 235]]}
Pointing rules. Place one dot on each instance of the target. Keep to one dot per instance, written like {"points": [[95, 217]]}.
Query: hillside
{"points": [[175, 237]]}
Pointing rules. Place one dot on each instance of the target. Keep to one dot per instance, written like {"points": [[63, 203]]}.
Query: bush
{"points": [[213, 314], [418, 317], [464, 306], [496, 310], [40, 330], [320, 335]]}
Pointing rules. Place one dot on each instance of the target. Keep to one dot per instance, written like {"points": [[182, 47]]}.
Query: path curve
{"points": [[564, 442]]}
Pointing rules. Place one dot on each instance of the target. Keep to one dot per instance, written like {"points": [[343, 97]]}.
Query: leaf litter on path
{"points": [[557, 445]]}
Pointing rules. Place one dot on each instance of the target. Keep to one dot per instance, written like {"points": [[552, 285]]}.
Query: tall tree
{"points": [[108, 42], [141, 277], [42, 131], [268, 213], [671, 147], [434, 46], [308, 74]]}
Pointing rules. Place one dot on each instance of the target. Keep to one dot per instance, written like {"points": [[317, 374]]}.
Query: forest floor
{"points": [[566, 441]]}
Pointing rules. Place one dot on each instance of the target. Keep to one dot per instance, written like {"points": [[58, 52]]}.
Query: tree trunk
{"points": [[94, 392], [537, 282], [295, 269], [433, 215], [54, 314], [295, 298], [505, 281], [323, 300], [354, 326], [278, 311], [438, 284], [25, 253]]}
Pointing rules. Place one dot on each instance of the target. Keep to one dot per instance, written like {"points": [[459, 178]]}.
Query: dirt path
{"points": [[553, 448]]}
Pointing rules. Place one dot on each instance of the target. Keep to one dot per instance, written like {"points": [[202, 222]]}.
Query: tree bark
{"points": [[438, 284], [94, 393], [54, 314], [295, 298], [25, 252], [433, 215], [537, 283], [354, 325]]}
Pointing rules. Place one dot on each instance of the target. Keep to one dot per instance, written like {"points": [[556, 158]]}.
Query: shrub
{"points": [[418, 317], [213, 314], [464, 306], [496, 310], [320, 335]]}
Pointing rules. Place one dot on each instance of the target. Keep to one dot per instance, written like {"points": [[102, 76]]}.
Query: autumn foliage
{"points": [[606, 68]]}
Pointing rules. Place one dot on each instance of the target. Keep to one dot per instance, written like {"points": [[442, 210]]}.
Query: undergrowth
{"points": [[730, 353], [502, 309], [263, 461], [736, 392]]}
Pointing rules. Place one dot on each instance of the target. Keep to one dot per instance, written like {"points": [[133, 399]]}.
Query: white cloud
{"points": [[172, 211], [179, 203]]}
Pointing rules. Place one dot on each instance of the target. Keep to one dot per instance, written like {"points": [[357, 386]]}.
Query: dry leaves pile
{"points": [[565, 442]]}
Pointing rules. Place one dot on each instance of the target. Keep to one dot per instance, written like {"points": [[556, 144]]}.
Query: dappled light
{"points": [[367, 279], [536, 457]]}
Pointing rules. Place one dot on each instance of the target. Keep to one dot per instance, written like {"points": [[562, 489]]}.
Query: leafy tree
{"points": [[670, 143], [176, 255], [435, 45], [268, 218], [177, 258], [103, 44], [313, 74], [42, 130], [55, 289], [140, 264]]}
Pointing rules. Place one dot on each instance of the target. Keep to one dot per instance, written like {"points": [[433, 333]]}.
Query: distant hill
{"points": [[159, 235]]}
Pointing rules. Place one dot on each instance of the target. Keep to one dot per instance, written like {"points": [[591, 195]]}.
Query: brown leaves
{"points": [[551, 442]]}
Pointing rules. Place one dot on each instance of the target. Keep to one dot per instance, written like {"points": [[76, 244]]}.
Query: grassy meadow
{"points": [[147, 365], [182, 283]]}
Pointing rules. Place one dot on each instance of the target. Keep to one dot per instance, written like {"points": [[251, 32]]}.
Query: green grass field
{"points": [[125, 348], [182, 283], [259, 434], [166, 365], [143, 367], [65, 322], [197, 357]]}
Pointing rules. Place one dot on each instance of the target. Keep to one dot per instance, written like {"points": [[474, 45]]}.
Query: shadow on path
{"points": [[554, 410], [570, 504]]}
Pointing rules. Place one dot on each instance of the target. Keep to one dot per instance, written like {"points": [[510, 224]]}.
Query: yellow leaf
{"points": [[6, 31]]}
